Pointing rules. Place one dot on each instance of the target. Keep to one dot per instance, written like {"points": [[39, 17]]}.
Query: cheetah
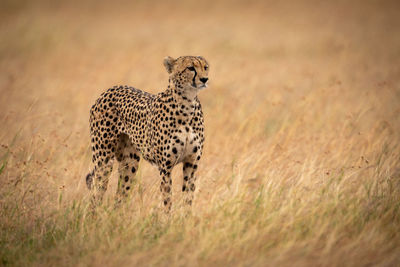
{"points": [[165, 129]]}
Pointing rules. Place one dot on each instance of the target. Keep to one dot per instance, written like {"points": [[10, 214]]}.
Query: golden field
{"points": [[301, 165]]}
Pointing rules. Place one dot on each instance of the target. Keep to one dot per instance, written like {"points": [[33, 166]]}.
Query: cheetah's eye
{"points": [[191, 68], [205, 67]]}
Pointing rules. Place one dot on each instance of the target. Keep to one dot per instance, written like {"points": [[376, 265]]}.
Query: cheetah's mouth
{"points": [[202, 86]]}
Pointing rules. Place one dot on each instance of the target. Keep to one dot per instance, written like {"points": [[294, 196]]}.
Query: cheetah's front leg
{"points": [[166, 188], [189, 180]]}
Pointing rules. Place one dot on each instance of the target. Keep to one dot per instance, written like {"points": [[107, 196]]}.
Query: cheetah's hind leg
{"points": [[102, 158], [128, 162]]}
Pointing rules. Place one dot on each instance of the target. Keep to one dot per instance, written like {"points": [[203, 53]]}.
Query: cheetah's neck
{"points": [[185, 104]]}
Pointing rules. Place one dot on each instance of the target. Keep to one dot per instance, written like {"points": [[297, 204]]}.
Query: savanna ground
{"points": [[301, 165]]}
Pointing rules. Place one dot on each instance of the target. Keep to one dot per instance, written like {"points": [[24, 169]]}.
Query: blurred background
{"points": [[57, 56], [297, 89]]}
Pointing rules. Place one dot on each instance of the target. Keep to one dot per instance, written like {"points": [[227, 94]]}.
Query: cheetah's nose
{"points": [[203, 80]]}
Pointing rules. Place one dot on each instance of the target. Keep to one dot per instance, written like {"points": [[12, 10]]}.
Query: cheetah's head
{"points": [[188, 72]]}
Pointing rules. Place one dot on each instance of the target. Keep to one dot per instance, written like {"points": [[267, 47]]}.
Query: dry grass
{"points": [[302, 154]]}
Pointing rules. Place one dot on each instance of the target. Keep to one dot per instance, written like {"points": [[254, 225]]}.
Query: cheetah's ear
{"points": [[169, 63]]}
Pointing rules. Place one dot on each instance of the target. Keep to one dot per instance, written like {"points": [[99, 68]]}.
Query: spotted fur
{"points": [[128, 124]]}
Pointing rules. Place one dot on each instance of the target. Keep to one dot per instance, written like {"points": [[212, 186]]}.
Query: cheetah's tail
{"points": [[89, 179]]}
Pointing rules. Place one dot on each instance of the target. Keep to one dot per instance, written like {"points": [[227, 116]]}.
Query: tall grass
{"points": [[301, 164]]}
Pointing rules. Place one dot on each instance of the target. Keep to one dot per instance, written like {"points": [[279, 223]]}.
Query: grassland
{"points": [[301, 165]]}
